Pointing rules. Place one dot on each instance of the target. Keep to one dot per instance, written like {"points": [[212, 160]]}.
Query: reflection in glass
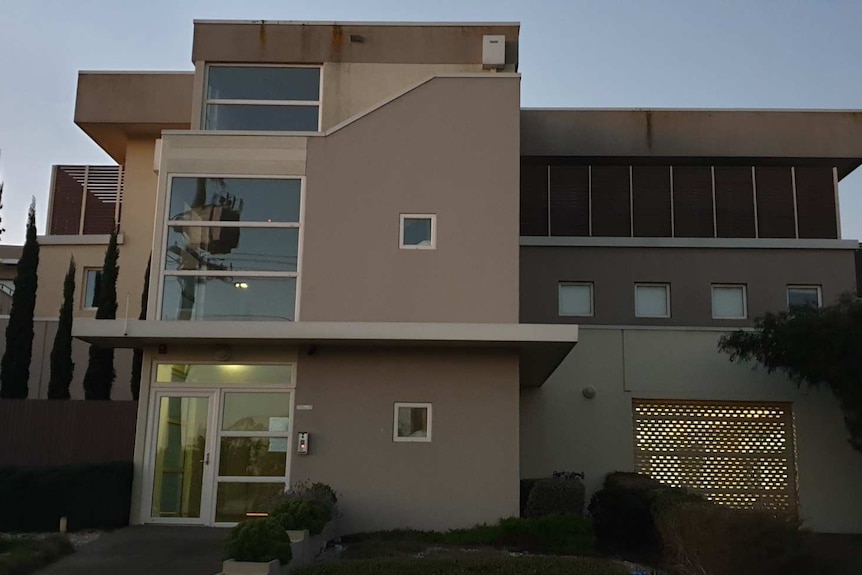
{"points": [[803, 297], [228, 298], [179, 459], [262, 83], [223, 373], [412, 422], [417, 231], [235, 500], [253, 457], [262, 118], [256, 411], [223, 248], [234, 199]]}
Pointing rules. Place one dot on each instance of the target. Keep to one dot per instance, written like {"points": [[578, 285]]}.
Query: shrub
{"points": [[261, 540], [23, 556], [702, 537], [91, 496], [470, 566], [305, 506], [557, 496]]}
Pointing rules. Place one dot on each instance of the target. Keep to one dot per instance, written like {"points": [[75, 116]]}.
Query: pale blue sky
{"points": [[603, 53]]}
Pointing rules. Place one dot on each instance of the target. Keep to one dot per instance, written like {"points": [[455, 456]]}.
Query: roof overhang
{"points": [[756, 137], [113, 107], [541, 348]]}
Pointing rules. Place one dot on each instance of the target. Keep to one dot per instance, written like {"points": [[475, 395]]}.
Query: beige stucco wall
{"points": [[53, 265], [450, 148], [562, 430], [467, 474]]}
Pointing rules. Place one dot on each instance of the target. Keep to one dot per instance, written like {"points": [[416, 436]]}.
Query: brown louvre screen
{"points": [[738, 454], [534, 200], [734, 202], [815, 201], [775, 218], [651, 201], [611, 201], [66, 201], [570, 201], [692, 202]]}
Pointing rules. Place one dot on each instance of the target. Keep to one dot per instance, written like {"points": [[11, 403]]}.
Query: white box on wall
{"points": [[493, 51]]}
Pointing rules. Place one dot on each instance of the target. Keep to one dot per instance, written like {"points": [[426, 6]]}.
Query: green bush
{"points": [[260, 540], [557, 496], [305, 506], [702, 537], [91, 496], [21, 557], [495, 565]]}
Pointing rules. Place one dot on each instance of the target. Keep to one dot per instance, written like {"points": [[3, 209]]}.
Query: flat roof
{"points": [[541, 347], [352, 23]]}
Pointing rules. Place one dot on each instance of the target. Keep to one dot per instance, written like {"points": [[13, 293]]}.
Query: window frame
{"points": [[410, 404], [665, 285], [85, 281], [816, 287], [234, 101], [590, 285], [744, 288], [432, 217], [167, 223]]}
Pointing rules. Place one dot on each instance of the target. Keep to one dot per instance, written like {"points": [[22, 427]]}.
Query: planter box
{"points": [[231, 567], [297, 535]]}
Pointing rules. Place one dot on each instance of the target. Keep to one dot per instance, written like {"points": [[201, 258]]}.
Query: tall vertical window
{"points": [[92, 285], [232, 249], [265, 98]]}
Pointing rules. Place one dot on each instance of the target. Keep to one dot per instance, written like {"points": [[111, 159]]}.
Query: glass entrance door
{"points": [[181, 470]]}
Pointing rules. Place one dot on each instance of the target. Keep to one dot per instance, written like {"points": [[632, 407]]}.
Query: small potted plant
{"points": [[257, 547], [305, 510]]}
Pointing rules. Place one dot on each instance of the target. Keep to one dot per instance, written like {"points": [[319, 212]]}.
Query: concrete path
{"points": [[147, 550]]}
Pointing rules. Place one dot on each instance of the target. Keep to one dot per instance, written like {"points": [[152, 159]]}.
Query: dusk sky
{"points": [[601, 54]]}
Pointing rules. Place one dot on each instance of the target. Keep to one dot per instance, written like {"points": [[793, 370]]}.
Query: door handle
{"points": [[206, 459]]}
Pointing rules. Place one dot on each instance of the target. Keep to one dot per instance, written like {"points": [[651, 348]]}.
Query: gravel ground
{"points": [[78, 539]]}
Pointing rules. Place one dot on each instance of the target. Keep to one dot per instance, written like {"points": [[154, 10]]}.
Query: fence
{"points": [[46, 433]]}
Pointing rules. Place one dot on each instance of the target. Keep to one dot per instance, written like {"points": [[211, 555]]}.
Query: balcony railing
{"points": [[85, 199]]}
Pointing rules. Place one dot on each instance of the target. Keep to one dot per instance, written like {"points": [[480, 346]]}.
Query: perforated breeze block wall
{"points": [[738, 454]]}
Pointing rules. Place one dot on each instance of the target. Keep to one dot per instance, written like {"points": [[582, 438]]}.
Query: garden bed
{"points": [[21, 556], [503, 565]]}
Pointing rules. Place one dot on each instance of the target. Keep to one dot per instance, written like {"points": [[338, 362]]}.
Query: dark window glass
{"points": [[692, 202], [230, 248], [611, 201], [235, 200], [417, 231], [734, 202], [775, 217], [803, 297], [261, 118], [570, 201], [651, 201], [93, 287], [534, 200], [815, 203], [264, 83], [228, 298]]}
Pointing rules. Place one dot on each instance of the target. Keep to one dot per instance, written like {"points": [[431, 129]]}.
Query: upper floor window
{"points": [[418, 232], [262, 98], [92, 285], [652, 300], [729, 302], [804, 296], [576, 299]]}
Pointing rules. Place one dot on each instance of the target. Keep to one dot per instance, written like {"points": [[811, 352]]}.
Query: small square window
{"points": [[92, 284], [418, 232], [576, 299], [804, 296], [652, 300], [412, 422], [729, 302]]}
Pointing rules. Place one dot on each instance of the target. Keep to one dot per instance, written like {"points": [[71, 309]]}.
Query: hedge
{"points": [[25, 556], [90, 496], [501, 566]]}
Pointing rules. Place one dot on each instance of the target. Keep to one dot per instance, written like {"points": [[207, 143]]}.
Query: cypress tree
{"points": [[15, 366], [62, 366], [100, 373], [138, 355]]}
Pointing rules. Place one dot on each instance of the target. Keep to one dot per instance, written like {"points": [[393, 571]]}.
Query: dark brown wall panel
{"points": [[570, 200], [775, 217], [65, 204], [99, 215], [534, 200], [692, 202], [815, 201], [611, 201], [734, 202], [651, 201]]}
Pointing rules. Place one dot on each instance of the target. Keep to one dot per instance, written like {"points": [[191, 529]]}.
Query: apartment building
{"points": [[372, 268]]}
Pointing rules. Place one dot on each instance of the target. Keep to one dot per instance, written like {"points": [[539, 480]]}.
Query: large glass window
{"points": [[232, 249], [265, 98]]}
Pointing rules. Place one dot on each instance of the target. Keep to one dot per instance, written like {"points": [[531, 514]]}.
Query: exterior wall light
{"points": [[589, 392], [240, 285]]}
